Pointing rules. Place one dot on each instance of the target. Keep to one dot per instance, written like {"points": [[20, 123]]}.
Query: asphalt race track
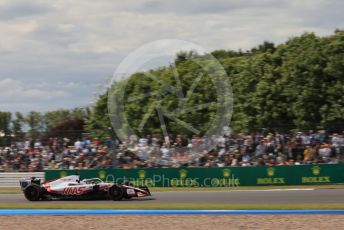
{"points": [[220, 197]]}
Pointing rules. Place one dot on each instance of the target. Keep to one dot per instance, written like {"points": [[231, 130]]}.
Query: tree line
{"points": [[295, 85], [37, 125]]}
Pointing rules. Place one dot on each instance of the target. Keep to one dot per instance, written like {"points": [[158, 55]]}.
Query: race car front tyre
{"points": [[116, 193], [33, 192]]}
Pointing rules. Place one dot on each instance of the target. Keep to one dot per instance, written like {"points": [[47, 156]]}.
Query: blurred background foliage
{"points": [[295, 85]]}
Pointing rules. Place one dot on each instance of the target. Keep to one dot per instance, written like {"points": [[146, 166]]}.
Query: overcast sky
{"points": [[54, 55]]}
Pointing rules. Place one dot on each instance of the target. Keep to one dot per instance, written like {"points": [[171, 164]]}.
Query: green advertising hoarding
{"points": [[216, 177]]}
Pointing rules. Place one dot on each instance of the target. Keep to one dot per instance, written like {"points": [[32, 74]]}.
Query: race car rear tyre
{"points": [[116, 193], [33, 192]]}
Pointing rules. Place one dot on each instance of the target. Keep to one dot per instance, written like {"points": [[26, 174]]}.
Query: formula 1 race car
{"points": [[72, 188]]}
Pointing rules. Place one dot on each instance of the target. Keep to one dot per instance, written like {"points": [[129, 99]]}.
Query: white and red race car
{"points": [[71, 187]]}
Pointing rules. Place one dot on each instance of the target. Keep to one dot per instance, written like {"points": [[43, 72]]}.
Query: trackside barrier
{"points": [[12, 179], [216, 177]]}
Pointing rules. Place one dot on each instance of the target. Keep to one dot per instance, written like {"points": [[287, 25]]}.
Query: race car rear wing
{"points": [[24, 183]]}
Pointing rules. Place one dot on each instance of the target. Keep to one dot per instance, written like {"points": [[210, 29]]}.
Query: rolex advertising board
{"points": [[215, 177]]}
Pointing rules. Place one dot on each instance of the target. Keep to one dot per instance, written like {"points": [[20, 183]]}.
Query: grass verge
{"points": [[177, 189], [10, 190]]}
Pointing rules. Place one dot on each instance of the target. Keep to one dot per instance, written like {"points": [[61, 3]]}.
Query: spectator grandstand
{"points": [[244, 150]]}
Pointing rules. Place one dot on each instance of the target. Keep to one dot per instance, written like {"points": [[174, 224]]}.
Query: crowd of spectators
{"points": [[257, 149]]}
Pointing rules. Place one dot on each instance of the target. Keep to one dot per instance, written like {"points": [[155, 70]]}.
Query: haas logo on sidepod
{"points": [[73, 191]]}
